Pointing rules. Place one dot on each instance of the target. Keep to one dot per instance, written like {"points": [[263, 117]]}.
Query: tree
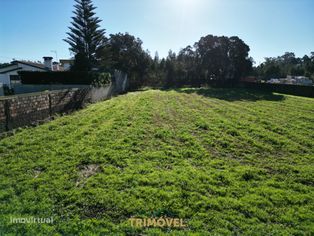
{"points": [[127, 55], [287, 64], [155, 73], [241, 63], [85, 38], [170, 69], [188, 67], [222, 60]]}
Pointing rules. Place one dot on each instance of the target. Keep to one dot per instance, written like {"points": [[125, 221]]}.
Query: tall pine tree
{"points": [[85, 38]]}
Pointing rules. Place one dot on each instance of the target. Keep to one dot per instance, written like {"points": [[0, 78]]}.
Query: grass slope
{"points": [[227, 161]]}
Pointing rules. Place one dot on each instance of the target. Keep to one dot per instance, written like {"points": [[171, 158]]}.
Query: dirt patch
{"points": [[85, 172]]}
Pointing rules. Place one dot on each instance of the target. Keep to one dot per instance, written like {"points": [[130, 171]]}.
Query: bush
{"points": [[298, 90], [101, 80], [7, 91], [64, 77]]}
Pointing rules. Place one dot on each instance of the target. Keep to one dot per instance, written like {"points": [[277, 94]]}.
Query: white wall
{"points": [[66, 66], [8, 68], [5, 79], [29, 68]]}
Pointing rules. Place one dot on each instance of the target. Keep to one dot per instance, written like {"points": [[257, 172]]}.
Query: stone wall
{"points": [[2, 117], [27, 109]]}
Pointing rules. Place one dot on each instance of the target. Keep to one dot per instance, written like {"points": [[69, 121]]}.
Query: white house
{"points": [[65, 64], [296, 80], [9, 73], [301, 80]]}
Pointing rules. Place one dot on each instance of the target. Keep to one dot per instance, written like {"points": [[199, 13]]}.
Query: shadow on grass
{"points": [[234, 94]]}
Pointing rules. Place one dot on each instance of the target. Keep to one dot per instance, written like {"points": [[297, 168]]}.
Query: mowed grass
{"points": [[227, 161]]}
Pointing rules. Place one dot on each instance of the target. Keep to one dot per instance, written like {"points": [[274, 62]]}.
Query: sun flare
{"points": [[185, 3]]}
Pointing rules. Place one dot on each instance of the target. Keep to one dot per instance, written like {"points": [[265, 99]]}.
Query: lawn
{"points": [[226, 161]]}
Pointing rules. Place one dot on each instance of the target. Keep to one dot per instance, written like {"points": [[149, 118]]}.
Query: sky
{"points": [[31, 29]]}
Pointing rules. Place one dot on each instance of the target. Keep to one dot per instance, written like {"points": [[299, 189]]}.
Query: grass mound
{"points": [[227, 161]]}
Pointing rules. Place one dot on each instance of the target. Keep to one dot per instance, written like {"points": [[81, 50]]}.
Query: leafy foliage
{"points": [[125, 53], [7, 90], [62, 77], [102, 80], [287, 64], [212, 60]]}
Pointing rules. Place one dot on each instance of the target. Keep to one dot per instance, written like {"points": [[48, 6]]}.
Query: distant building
{"points": [[300, 80], [251, 79], [296, 80], [65, 64], [9, 73], [273, 81]]}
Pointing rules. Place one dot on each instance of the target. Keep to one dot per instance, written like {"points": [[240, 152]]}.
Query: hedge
{"points": [[298, 90], [60, 77]]}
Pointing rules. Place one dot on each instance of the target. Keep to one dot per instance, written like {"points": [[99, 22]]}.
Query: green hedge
{"points": [[298, 90], [64, 77]]}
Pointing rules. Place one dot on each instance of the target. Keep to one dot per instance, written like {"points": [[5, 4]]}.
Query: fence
{"points": [[298, 90]]}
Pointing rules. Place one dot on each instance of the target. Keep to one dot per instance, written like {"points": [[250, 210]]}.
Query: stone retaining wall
{"points": [[27, 109]]}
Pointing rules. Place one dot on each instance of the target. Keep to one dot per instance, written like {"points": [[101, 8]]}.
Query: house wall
{"points": [[29, 68], [11, 67], [5, 78], [66, 66]]}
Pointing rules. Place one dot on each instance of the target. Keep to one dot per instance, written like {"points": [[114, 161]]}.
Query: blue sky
{"points": [[31, 29]]}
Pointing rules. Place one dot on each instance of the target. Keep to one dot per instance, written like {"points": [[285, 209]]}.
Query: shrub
{"points": [[7, 91], [102, 79], [298, 90], [62, 77]]}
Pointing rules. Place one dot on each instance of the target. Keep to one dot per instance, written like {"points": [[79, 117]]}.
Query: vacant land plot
{"points": [[224, 160]]}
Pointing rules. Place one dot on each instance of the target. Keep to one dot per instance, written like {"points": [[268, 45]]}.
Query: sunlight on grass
{"points": [[224, 160]]}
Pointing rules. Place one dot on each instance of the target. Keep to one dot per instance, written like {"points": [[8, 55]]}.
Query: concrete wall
{"points": [[1, 89]]}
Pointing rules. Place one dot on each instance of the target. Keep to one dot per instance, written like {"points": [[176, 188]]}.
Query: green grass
{"points": [[227, 161]]}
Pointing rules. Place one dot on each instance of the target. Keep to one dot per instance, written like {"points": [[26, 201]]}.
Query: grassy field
{"points": [[227, 161]]}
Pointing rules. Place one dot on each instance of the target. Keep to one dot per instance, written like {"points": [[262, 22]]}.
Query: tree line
{"points": [[287, 64], [211, 60]]}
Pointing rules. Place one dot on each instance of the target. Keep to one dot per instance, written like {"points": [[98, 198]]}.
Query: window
{"points": [[15, 79]]}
